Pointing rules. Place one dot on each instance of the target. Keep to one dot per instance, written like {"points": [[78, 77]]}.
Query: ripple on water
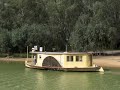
{"points": [[14, 76]]}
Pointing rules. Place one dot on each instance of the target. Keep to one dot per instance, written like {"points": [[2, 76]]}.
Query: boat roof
{"points": [[60, 53]]}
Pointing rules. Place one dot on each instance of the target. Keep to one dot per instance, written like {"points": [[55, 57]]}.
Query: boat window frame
{"points": [[69, 58], [79, 59]]}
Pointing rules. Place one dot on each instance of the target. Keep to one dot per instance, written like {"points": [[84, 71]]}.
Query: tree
{"points": [[6, 45]]}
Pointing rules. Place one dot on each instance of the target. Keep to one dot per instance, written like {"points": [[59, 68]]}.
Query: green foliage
{"points": [[20, 55], [3, 55], [6, 45], [83, 25]]}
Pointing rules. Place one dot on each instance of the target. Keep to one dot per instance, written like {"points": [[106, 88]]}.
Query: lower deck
{"points": [[84, 69]]}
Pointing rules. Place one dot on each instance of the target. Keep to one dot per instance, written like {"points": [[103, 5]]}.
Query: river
{"points": [[14, 76]]}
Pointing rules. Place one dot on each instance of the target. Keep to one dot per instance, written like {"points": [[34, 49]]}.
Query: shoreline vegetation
{"points": [[104, 61], [79, 25]]}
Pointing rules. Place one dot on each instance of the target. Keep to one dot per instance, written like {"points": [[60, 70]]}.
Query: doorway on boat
{"points": [[50, 62], [34, 59]]}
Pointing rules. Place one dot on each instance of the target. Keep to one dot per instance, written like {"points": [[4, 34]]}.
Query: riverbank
{"points": [[13, 59], [104, 61], [107, 61]]}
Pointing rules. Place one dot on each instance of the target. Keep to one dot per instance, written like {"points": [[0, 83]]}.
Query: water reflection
{"points": [[53, 80], [14, 76]]}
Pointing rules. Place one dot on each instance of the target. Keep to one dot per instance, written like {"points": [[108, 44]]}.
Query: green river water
{"points": [[14, 76]]}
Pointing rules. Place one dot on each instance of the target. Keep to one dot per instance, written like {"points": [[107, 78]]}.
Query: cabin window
{"points": [[78, 58], [70, 58]]}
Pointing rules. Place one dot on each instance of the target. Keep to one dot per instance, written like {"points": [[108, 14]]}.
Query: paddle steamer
{"points": [[63, 61]]}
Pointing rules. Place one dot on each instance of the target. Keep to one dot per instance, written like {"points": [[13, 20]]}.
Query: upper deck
{"points": [[61, 53]]}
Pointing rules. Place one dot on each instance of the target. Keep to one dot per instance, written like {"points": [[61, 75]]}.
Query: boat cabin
{"points": [[62, 59]]}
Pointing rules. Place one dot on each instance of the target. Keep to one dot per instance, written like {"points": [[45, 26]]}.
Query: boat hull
{"points": [[88, 69]]}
